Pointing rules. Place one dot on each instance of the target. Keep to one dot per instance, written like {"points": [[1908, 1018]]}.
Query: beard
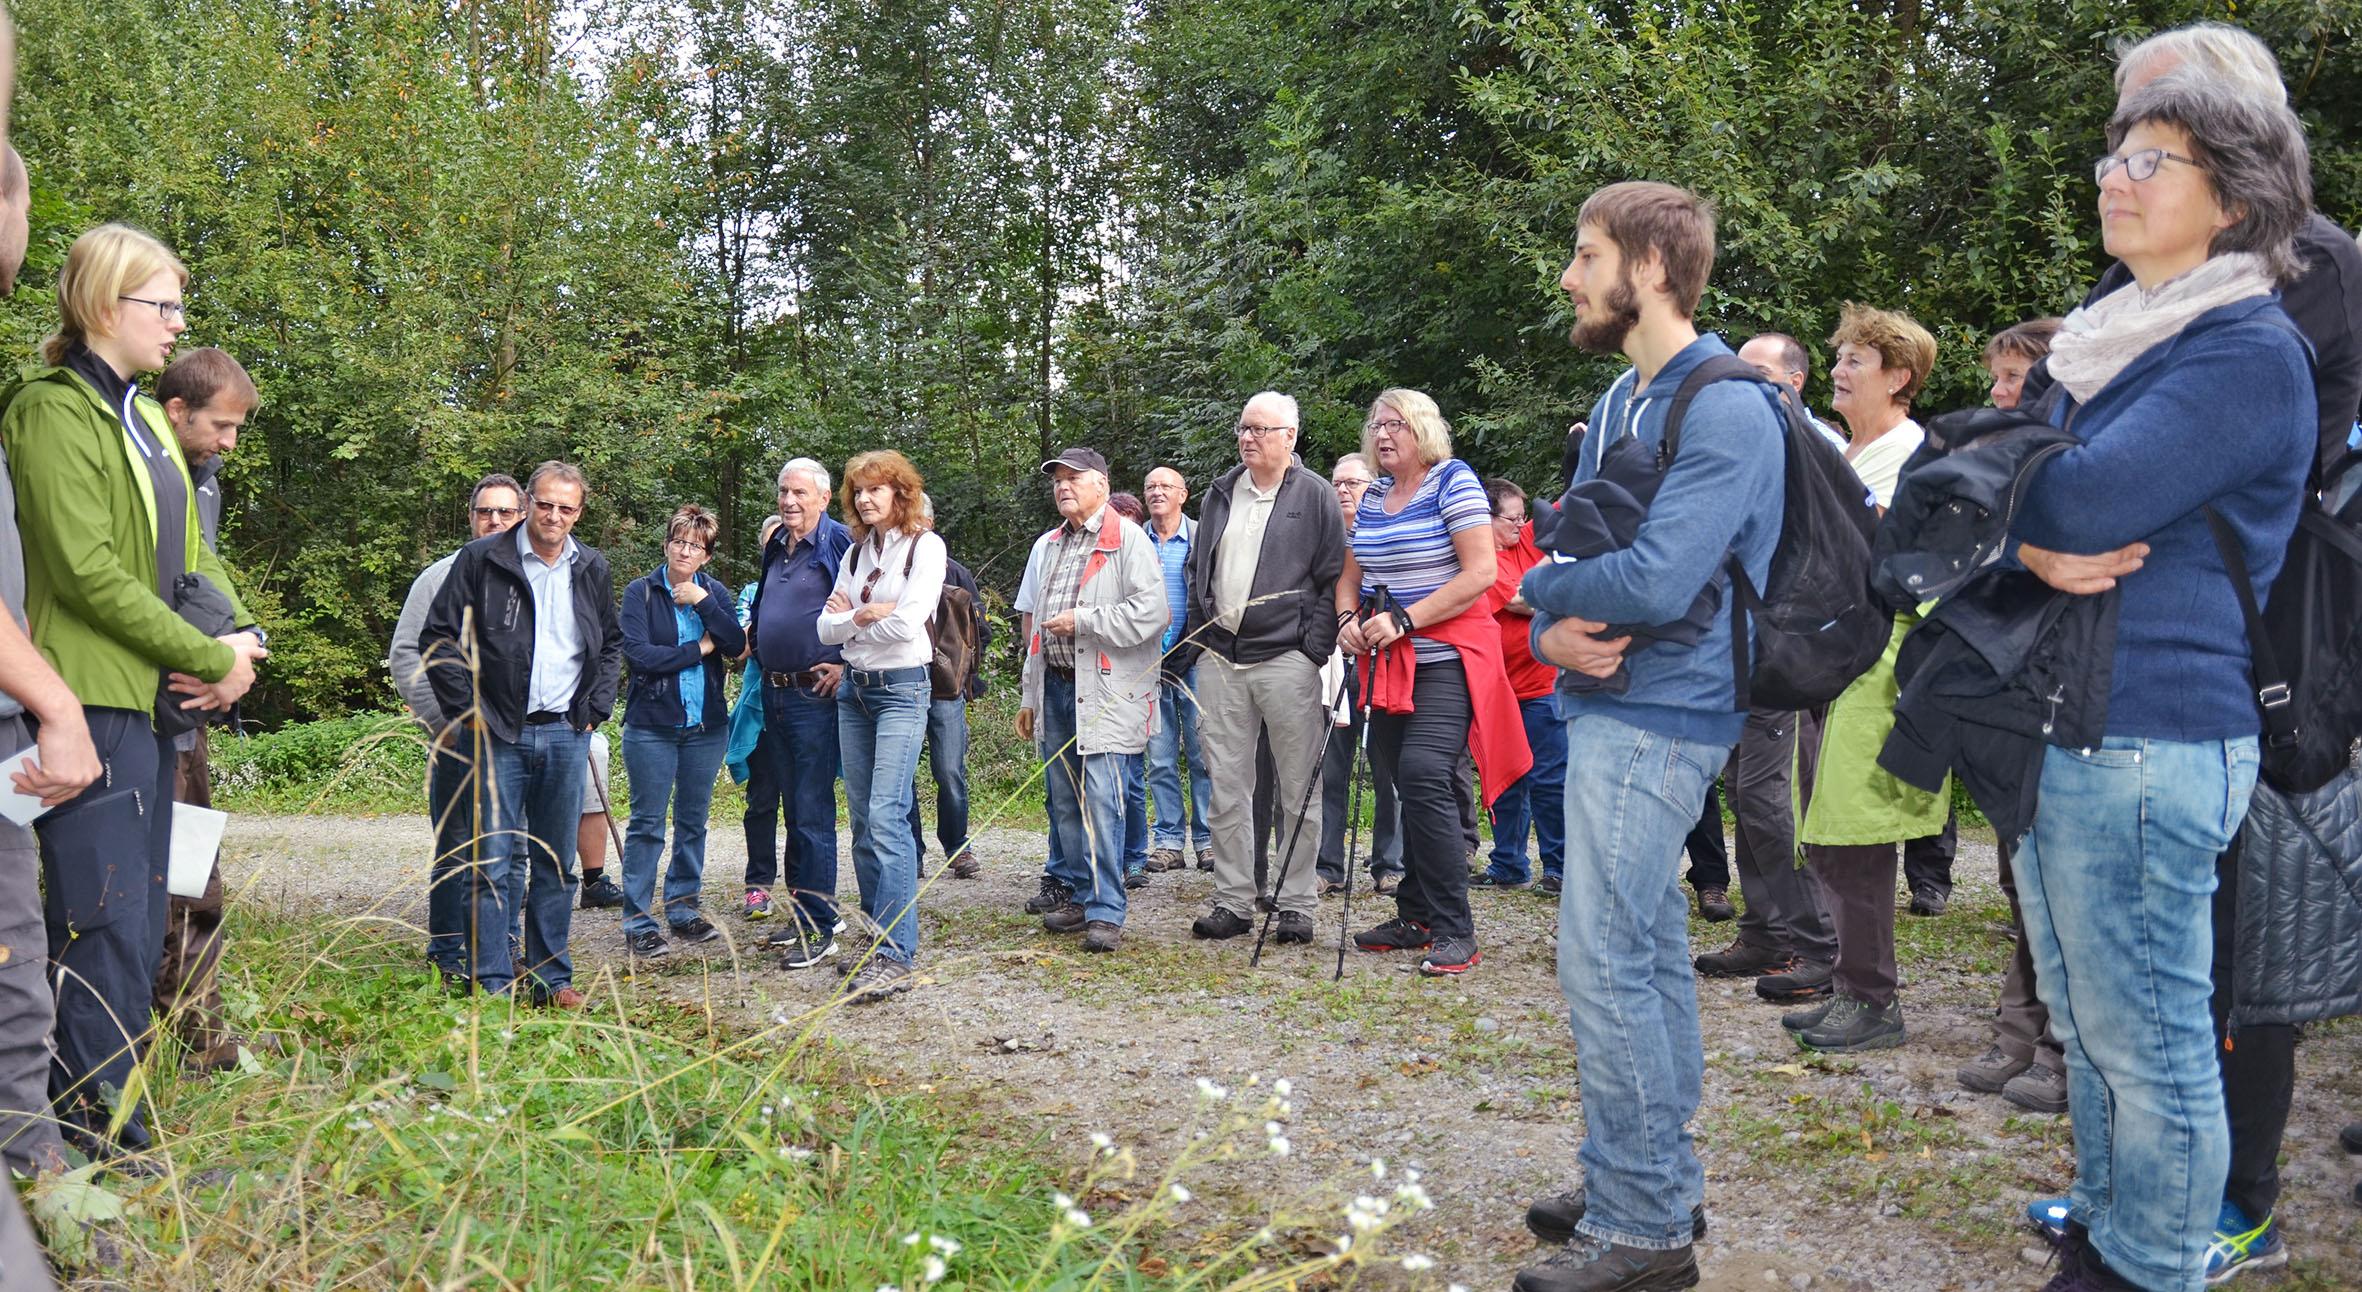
{"points": [[1605, 334]]}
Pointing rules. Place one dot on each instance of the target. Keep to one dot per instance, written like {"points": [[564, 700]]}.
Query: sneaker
{"points": [[1450, 957], [963, 865], [1714, 904], [806, 948], [2350, 1138], [1852, 1026], [1740, 960], [1065, 918], [1331, 885], [1205, 859], [1164, 859], [1991, 1071], [1294, 926], [696, 929], [1550, 884], [1798, 1020], [1487, 879], [1136, 879], [1384, 882], [2080, 1266], [880, 977], [2240, 1245], [2038, 1089], [758, 904], [1802, 980], [1102, 935], [1590, 1265], [1219, 923], [647, 946], [1397, 934], [1930, 901], [1052, 894], [2048, 1216], [600, 893], [1553, 1218]]}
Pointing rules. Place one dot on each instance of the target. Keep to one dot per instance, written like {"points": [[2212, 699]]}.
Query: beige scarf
{"points": [[2098, 340]]}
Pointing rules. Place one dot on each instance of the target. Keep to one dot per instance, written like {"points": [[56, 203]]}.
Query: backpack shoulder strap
{"points": [[1721, 367], [2271, 684]]}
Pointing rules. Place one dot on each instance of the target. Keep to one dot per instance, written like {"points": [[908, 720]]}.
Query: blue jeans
{"points": [[799, 744], [451, 809], [1537, 798], [676, 764], [1135, 813], [880, 722], [1624, 964], [947, 760], [2115, 879], [1086, 793], [534, 799], [1175, 737]]}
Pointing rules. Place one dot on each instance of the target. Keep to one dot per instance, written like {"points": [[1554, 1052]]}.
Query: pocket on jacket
{"points": [[95, 857]]}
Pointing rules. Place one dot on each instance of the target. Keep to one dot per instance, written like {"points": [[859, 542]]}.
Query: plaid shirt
{"points": [[1064, 586]]}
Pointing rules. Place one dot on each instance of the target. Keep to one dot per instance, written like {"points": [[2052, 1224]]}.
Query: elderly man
{"points": [[1271, 546], [799, 675], [1090, 689], [1175, 737]]}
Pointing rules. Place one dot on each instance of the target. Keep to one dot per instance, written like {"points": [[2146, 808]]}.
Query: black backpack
{"points": [[1816, 626]]}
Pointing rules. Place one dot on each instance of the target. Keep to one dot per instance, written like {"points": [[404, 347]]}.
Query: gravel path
{"points": [[1878, 1173]]}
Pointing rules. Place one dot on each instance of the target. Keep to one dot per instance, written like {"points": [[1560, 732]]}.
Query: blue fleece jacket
{"points": [[2222, 415], [1722, 495]]}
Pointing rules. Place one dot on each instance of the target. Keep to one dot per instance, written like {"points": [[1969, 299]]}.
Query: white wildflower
{"points": [[1207, 1090], [1377, 1168], [947, 1246], [1283, 1087], [911, 1239], [1180, 1194], [936, 1269], [1272, 1128], [1100, 1141], [1416, 1262], [1279, 1146], [1344, 1244], [1061, 1201], [1078, 1217], [1261, 1237], [1414, 1196]]}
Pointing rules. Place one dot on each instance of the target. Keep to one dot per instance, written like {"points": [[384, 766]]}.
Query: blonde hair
{"points": [[1897, 337], [105, 263], [1429, 431]]}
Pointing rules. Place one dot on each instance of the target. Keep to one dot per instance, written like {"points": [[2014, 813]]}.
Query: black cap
{"points": [[1079, 459]]}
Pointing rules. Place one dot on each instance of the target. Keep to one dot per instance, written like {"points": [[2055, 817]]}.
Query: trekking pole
{"points": [[1279, 882], [1353, 774]]}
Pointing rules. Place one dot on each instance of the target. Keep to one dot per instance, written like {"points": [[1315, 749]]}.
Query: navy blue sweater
{"points": [[2222, 415], [661, 663]]}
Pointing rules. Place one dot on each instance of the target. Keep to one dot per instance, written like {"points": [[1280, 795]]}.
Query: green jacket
{"points": [[87, 511], [1854, 800]]}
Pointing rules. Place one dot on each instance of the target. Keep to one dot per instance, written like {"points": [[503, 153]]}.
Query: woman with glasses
{"points": [[113, 572], [2161, 497], [679, 633], [880, 612]]}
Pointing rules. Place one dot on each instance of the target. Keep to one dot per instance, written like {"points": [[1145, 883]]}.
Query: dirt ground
{"points": [[1877, 1172]]}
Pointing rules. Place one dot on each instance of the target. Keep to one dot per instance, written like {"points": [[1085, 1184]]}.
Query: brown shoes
{"points": [[1100, 935], [565, 998]]}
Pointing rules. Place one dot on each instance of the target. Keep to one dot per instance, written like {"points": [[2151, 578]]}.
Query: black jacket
{"points": [[487, 600], [652, 646], [1295, 589]]}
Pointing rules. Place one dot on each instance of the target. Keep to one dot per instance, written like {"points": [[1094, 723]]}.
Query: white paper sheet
{"points": [[196, 840], [18, 807]]}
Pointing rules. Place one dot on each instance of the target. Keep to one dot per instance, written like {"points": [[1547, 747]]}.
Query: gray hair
{"points": [[2253, 154], [808, 467], [562, 472], [2213, 50], [1357, 460], [1284, 405]]}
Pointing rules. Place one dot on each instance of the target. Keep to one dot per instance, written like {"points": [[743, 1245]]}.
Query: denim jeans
{"points": [[451, 809], [947, 762], [1624, 964], [1538, 798], [2116, 878], [675, 766], [1175, 738], [1086, 793], [800, 745], [1135, 813], [535, 799], [880, 721]]}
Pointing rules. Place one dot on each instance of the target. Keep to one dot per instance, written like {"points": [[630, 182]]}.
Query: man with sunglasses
{"points": [[523, 650]]}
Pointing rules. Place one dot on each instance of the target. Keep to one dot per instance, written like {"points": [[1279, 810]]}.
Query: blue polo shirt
{"points": [[1173, 554], [787, 610]]}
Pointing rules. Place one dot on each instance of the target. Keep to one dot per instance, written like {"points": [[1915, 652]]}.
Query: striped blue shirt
{"points": [[1173, 554], [1410, 551]]}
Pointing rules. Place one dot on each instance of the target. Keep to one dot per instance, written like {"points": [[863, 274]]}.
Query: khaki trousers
{"points": [[1281, 698]]}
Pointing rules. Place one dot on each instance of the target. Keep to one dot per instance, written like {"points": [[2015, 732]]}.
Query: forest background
{"points": [[679, 241]]}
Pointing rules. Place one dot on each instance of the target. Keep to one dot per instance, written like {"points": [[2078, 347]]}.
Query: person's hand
{"points": [[1517, 606], [832, 676], [1060, 624], [1381, 631], [1570, 644], [216, 696], [705, 647], [688, 594], [1025, 724], [2081, 575], [838, 603], [871, 613], [1349, 638], [64, 762]]}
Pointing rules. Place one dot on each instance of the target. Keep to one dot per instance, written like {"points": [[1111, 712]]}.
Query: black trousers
{"points": [[1709, 860], [2258, 1062], [1420, 752], [1927, 863], [104, 861]]}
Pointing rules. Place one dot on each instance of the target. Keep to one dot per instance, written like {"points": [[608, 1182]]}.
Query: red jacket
{"points": [[1530, 678], [1496, 730]]}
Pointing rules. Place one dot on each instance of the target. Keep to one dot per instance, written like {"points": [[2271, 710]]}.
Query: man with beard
{"points": [[1643, 757]]}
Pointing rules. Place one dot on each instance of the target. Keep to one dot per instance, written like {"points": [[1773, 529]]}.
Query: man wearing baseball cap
{"points": [[1090, 688]]}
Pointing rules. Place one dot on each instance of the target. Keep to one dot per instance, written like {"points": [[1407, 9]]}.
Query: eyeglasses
{"points": [[498, 513], [1342, 485], [2137, 166], [1504, 517], [165, 310], [1248, 431], [690, 546], [569, 511], [1386, 426]]}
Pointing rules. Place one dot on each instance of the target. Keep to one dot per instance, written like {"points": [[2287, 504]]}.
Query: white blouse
{"points": [[900, 639]]}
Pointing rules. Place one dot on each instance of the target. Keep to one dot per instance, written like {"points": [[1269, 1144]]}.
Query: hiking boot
{"points": [[1714, 904], [600, 893], [1852, 1026], [1331, 885], [963, 865], [1219, 923], [1397, 934], [2080, 1266], [1591, 1265], [1930, 901], [1450, 957], [1164, 859], [1488, 879], [2241, 1245], [874, 981], [1067, 917], [696, 929], [2039, 1089], [1802, 980], [1136, 879], [1052, 894], [647, 946], [1294, 926], [1989, 1072], [2350, 1139], [1740, 960], [1384, 882], [1205, 859], [1553, 1218], [1550, 884], [1102, 935], [1798, 1020], [806, 948], [565, 998], [758, 905]]}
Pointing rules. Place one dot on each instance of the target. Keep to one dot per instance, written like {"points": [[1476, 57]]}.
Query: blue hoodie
{"points": [[1722, 495]]}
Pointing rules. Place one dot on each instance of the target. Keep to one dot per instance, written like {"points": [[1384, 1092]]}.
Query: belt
{"points": [[886, 676], [803, 681], [1062, 674], [544, 718]]}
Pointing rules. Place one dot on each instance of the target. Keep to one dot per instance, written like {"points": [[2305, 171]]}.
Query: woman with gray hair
{"points": [[2158, 498]]}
